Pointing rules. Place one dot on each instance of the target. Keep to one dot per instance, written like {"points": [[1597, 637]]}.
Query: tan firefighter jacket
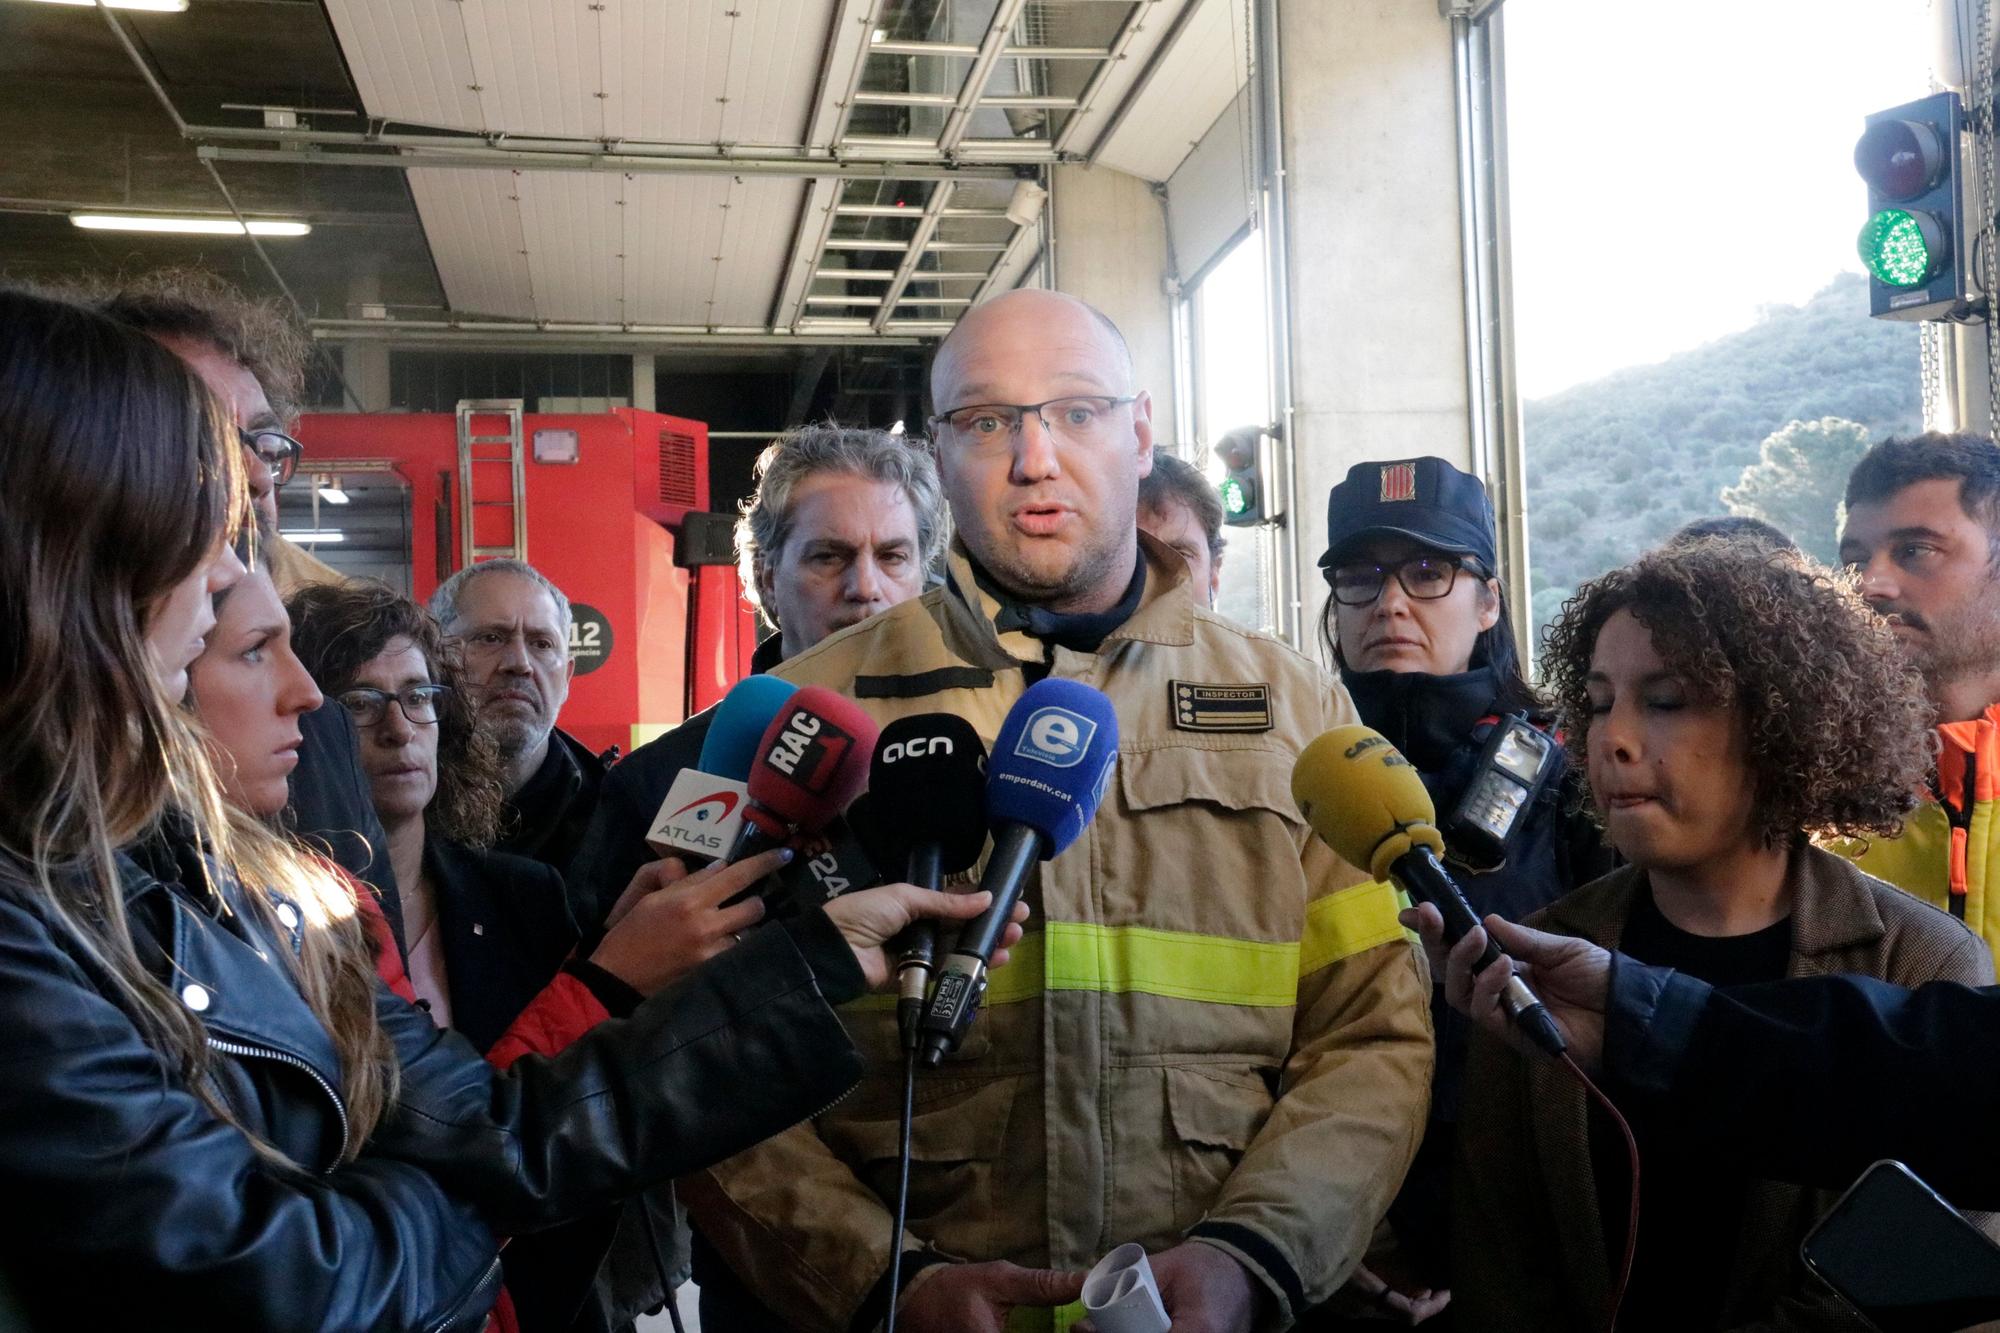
{"points": [[1214, 1027]]}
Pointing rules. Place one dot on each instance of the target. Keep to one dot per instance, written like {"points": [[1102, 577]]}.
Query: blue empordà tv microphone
{"points": [[1044, 778]]}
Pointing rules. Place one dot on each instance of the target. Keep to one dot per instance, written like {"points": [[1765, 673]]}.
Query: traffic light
{"points": [[1242, 488], [1914, 243]]}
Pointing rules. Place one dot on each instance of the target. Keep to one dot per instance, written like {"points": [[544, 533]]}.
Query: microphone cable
{"points": [[902, 1181], [1632, 1220]]}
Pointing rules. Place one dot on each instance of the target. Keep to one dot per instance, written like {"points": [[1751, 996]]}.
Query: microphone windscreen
{"points": [[1051, 761], [927, 785], [1364, 799], [812, 761], [740, 720]]}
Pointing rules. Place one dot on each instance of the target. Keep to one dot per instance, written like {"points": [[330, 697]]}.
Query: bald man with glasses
{"points": [[1218, 1044]]}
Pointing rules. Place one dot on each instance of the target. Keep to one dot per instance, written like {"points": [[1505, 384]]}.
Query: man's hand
{"points": [[1572, 977], [1370, 1295], [668, 922], [977, 1298], [872, 917], [1206, 1291]]}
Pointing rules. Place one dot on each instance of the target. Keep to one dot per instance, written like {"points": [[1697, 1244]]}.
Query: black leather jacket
{"points": [[125, 1196]]}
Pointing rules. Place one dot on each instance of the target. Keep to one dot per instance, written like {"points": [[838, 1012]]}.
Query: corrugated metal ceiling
{"points": [[712, 250], [1194, 83]]}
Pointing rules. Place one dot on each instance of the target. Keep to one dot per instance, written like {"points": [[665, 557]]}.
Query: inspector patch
{"points": [[1199, 707]]}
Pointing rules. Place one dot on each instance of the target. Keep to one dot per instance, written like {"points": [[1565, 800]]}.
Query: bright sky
{"points": [[1676, 166]]}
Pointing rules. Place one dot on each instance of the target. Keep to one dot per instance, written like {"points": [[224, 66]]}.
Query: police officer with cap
{"points": [[1417, 624]]}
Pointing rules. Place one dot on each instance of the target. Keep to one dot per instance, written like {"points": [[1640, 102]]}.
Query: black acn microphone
{"points": [[926, 812]]}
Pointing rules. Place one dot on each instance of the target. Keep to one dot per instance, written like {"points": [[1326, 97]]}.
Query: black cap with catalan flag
{"points": [[1425, 499]]}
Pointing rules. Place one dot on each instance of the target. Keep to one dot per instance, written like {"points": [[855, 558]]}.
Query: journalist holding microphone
{"points": [[1217, 1044], [1730, 701], [212, 1111]]}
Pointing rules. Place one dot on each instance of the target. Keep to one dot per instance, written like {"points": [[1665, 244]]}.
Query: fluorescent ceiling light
{"points": [[183, 226], [333, 495], [310, 536], [157, 6]]}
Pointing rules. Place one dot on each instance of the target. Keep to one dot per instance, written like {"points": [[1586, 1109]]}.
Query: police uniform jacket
{"points": [[1214, 1028]]}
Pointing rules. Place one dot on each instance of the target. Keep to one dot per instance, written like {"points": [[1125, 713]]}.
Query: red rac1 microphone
{"points": [[810, 765]]}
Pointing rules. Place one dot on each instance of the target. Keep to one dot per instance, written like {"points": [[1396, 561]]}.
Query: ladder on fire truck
{"points": [[481, 486]]}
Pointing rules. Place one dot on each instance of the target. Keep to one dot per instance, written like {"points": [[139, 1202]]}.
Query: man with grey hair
{"points": [[512, 627], [843, 524]]}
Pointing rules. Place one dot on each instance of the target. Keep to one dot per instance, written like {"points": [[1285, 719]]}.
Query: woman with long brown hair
{"points": [[210, 1112]]}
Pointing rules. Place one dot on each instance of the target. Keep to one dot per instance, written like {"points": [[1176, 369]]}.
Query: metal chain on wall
{"points": [[1983, 249], [1931, 337]]}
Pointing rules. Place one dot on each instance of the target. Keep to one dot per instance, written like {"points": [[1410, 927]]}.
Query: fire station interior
{"points": [[647, 237]]}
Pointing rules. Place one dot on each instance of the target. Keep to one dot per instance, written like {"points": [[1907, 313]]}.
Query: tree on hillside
{"points": [[1798, 479]]}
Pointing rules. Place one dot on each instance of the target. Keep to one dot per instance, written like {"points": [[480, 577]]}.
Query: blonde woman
{"points": [[210, 1111]]}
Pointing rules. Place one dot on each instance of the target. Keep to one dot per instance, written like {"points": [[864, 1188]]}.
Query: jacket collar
{"points": [[246, 992], [976, 627], [1831, 910], [1429, 718], [768, 654]]}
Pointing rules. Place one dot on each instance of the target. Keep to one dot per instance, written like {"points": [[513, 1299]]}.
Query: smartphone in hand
{"points": [[1903, 1258]]}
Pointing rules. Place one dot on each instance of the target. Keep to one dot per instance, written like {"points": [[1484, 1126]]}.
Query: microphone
{"points": [[704, 808], [842, 858], [926, 796], [738, 726], [1364, 800], [1046, 775], [810, 764]]}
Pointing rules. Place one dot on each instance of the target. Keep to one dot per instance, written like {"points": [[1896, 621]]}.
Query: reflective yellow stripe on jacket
{"points": [[1075, 955]]}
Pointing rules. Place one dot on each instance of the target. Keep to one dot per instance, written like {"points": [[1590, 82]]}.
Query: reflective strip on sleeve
{"points": [[1181, 965], [1346, 923]]}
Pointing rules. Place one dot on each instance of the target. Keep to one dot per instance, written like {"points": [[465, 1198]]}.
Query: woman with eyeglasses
{"points": [[1416, 622], [212, 1111]]}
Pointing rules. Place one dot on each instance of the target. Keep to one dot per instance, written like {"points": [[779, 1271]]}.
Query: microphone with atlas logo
{"points": [[1045, 777], [1364, 800], [703, 809], [926, 790]]}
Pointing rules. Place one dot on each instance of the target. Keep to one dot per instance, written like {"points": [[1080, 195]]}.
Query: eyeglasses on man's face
{"points": [[275, 450], [419, 703], [1425, 578], [1084, 419]]}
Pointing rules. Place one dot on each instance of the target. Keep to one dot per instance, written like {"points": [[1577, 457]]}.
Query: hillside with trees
{"points": [[1617, 464]]}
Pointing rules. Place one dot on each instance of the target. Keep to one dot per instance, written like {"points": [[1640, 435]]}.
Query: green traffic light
{"points": [[1235, 500], [1896, 249]]}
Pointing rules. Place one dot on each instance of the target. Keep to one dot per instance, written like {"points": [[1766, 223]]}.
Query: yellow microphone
{"points": [[1366, 801]]}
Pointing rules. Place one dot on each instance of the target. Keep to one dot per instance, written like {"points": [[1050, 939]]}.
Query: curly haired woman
{"points": [[1732, 703]]}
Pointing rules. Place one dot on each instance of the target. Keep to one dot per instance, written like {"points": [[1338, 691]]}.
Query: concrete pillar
{"points": [[642, 381], [1375, 272], [365, 365], [1111, 250]]}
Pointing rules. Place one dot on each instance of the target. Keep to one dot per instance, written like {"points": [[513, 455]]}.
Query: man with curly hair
{"points": [[1923, 533], [1730, 702]]}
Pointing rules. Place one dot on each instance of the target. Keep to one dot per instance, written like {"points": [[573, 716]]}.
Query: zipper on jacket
{"points": [[244, 1052], [454, 1318]]}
